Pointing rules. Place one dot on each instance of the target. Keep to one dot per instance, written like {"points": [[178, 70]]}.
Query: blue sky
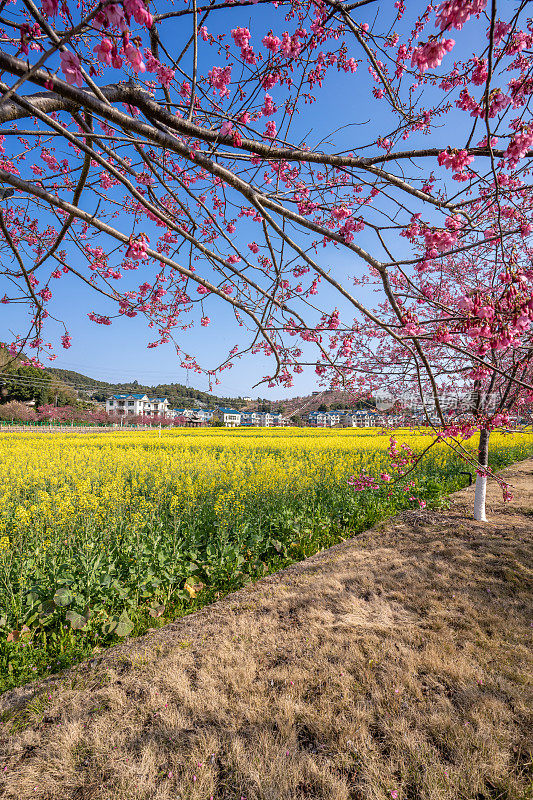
{"points": [[119, 352]]}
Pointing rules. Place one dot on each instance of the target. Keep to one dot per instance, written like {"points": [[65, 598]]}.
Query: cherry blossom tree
{"points": [[351, 179]]}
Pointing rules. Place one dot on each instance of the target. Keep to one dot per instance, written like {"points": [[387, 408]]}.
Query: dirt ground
{"points": [[395, 665]]}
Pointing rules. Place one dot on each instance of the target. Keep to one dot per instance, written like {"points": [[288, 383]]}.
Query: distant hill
{"points": [[24, 383], [179, 396], [77, 379]]}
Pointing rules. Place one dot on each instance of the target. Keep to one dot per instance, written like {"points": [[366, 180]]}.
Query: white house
{"points": [[362, 418], [195, 414], [262, 419], [229, 417], [319, 419], [249, 418], [265, 419], [136, 404], [325, 419]]}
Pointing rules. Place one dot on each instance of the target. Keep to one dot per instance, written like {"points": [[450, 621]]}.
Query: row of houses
{"points": [[138, 404], [362, 418], [159, 408], [412, 411], [231, 418]]}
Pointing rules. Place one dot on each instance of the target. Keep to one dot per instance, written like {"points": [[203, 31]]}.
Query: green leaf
{"points": [[32, 597], [63, 597], [77, 621], [125, 625], [45, 610], [110, 625], [68, 580]]}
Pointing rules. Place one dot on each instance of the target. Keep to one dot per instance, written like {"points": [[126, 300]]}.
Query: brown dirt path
{"points": [[395, 665]]}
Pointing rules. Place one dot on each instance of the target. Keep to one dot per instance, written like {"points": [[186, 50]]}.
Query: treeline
{"points": [[178, 394], [24, 383], [18, 412]]}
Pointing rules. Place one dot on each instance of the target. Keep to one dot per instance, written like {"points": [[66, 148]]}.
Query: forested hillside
{"points": [[178, 394], [24, 383]]}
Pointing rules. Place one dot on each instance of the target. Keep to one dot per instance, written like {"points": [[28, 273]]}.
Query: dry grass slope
{"points": [[395, 664]]}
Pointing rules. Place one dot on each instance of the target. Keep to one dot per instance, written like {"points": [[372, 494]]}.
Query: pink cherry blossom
{"points": [[50, 7], [134, 58], [501, 29], [291, 45], [480, 72], [219, 79], [519, 146], [273, 43], [268, 106], [454, 13], [226, 128], [241, 36], [455, 160], [137, 10], [430, 55], [70, 64], [137, 248], [103, 51], [112, 16]]}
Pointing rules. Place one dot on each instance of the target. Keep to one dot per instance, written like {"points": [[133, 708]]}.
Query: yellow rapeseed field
{"points": [[54, 484], [105, 534]]}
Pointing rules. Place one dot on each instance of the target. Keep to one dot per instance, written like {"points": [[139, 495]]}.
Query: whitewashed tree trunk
{"points": [[481, 480]]}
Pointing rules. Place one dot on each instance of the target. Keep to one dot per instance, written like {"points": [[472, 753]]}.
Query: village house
{"points": [[229, 417], [195, 416], [325, 419], [362, 418], [138, 404], [262, 419]]}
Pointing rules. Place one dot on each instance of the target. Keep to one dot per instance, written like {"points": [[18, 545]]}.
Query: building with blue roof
{"points": [[229, 417], [138, 404]]}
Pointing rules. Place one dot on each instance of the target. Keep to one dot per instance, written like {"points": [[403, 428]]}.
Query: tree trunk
{"points": [[481, 480]]}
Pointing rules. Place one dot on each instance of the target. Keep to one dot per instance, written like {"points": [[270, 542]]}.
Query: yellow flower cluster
{"points": [[68, 485]]}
